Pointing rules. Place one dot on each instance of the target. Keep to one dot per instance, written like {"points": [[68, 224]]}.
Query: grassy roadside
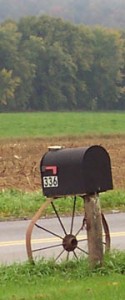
{"points": [[68, 280], [16, 204]]}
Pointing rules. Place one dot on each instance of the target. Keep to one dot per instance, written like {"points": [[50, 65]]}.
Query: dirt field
{"points": [[20, 159]]}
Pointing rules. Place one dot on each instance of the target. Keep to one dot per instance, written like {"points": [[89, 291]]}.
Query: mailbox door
{"points": [[62, 172], [97, 170]]}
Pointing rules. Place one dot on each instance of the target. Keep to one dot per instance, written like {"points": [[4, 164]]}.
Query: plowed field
{"points": [[20, 159]]}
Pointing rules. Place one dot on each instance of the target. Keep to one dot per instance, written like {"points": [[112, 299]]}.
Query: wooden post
{"points": [[94, 229]]}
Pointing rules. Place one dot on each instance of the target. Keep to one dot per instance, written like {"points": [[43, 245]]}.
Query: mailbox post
{"points": [[94, 229], [84, 172]]}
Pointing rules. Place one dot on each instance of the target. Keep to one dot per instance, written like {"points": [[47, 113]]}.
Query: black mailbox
{"points": [[76, 171]]}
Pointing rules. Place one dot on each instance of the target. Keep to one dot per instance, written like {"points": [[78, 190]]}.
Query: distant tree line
{"points": [[50, 64], [104, 12]]}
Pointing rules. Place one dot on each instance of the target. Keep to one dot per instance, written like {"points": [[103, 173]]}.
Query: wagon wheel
{"points": [[67, 239]]}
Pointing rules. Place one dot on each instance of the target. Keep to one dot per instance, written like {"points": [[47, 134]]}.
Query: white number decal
{"points": [[50, 181]]}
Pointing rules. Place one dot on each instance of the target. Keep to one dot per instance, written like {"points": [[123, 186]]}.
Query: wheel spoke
{"points": [[58, 217], [75, 255], [82, 250], [45, 248], [48, 231], [81, 228], [59, 254], [83, 240], [78, 231], [67, 258], [73, 214]]}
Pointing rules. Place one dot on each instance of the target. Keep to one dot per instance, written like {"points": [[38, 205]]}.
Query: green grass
{"points": [[43, 124], [68, 280], [111, 288], [16, 204]]}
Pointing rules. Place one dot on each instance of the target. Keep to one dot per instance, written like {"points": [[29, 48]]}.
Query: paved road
{"points": [[12, 236]]}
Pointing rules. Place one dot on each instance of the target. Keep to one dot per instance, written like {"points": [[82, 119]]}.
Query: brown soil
{"points": [[20, 159]]}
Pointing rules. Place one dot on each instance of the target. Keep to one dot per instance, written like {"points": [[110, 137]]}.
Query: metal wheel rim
{"points": [[68, 238]]}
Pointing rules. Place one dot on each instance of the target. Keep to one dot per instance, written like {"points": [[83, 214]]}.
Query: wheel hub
{"points": [[70, 242]]}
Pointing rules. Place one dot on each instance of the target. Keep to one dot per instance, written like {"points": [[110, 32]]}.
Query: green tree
{"points": [[9, 43], [8, 85], [104, 78], [55, 75]]}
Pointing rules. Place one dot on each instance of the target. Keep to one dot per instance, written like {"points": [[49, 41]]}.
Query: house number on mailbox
{"points": [[50, 181]]}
